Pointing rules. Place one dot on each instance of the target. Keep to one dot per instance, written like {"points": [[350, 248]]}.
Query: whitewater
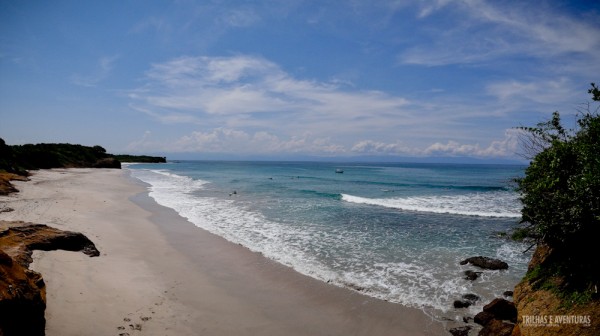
{"points": [[391, 231]]}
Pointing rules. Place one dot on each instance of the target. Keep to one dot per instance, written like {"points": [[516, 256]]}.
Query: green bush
{"points": [[560, 192]]}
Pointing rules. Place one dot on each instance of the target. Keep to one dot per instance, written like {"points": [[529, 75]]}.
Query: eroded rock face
{"points": [[20, 241], [497, 328], [22, 291], [536, 305], [22, 299]]}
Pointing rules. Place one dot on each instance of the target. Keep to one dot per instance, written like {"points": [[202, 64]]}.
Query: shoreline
{"points": [[160, 274]]}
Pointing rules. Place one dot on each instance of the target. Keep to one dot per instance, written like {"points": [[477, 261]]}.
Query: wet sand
{"points": [[158, 274]]}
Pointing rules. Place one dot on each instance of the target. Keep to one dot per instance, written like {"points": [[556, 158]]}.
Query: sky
{"points": [[293, 79]]}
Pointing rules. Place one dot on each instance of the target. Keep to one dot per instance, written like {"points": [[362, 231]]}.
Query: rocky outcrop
{"points": [[501, 309], [497, 328], [5, 186], [107, 163], [22, 291], [541, 312], [22, 299], [497, 318], [20, 241], [485, 263]]}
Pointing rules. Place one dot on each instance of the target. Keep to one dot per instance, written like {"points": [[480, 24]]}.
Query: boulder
{"points": [[461, 303], [483, 318], [497, 328], [472, 298], [508, 293], [460, 331], [502, 309], [471, 275], [485, 263]]}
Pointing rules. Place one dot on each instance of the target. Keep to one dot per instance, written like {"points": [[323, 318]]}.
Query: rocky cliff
{"points": [[545, 311], [22, 291]]}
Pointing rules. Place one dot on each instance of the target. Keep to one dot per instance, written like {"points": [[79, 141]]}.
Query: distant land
{"points": [[17, 160], [346, 159]]}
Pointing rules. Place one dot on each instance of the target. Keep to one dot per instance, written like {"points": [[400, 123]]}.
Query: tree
{"points": [[560, 193]]}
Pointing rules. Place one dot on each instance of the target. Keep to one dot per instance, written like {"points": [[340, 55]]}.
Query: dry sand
{"points": [[160, 275]]}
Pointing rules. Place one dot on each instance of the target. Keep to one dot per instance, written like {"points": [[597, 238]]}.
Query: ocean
{"points": [[394, 231]]}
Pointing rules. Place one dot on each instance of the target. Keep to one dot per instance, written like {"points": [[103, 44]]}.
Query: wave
{"points": [[336, 254], [491, 204]]}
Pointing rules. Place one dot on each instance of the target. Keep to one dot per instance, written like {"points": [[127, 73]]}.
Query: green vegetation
{"points": [[560, 193], [140, 158], [18, 159], [15, 161]]}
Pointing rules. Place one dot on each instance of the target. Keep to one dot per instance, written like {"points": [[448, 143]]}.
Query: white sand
{"points": [[160, 275]]}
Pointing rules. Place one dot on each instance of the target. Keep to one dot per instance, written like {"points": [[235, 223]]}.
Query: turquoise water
{"points": [[392, 231]]}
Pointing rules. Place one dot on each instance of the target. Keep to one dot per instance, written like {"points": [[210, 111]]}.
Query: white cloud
{"points": [[375, 148], [239, 18], [102, 70], [542, 92], [224, 90], [232, 141], [494, 29], [499, 148], [247, 104]]}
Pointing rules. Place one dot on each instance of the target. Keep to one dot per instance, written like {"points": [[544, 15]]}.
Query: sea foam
{"points": [[339, 254], [490, 204]]}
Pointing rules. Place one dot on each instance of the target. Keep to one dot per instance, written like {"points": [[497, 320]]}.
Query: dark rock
{"points": [[497, 328], [108, 163], [502, 309], [460, 331], [461, 304], [485, 263], [471, 275], [472, 298], [483, 318], [508, 293], [467, 319], [22, 300]]}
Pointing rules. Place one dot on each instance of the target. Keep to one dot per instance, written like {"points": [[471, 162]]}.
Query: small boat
{"points": [[339, 171]]}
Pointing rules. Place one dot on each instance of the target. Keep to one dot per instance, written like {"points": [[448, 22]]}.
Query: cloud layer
{"points": [[249, 104]]}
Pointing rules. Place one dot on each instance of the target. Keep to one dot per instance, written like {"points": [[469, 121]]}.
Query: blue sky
{"points": [[285, 79]]}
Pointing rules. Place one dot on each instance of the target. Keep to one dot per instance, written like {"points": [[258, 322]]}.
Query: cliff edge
{"points": [[543, 310], [23, 291]]}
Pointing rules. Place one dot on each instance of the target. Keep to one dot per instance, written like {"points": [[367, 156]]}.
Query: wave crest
{"points": [[492, 204]]}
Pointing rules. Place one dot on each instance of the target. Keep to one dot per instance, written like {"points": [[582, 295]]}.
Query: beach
{"points": [[158, 274]]}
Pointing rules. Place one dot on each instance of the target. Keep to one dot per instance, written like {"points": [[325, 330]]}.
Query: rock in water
{"points": [[461, 304], [472, 298], [460, 331], [485, 263], [471, 275]]}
